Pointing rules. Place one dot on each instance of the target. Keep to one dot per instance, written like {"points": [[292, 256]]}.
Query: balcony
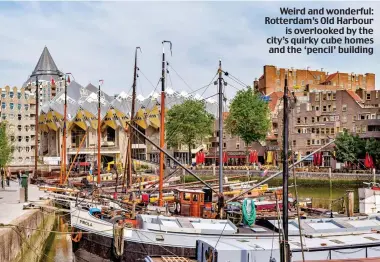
{"points": [[369, 134], [93, 150]]}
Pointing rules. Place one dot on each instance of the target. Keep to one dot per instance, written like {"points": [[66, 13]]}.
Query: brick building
{"points": [[299, 80]]}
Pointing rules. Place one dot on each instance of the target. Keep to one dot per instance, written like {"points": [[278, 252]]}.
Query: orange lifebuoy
{"points": [[77, 236]]}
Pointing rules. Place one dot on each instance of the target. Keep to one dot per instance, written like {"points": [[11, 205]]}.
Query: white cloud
{"points": [[97, 41]]}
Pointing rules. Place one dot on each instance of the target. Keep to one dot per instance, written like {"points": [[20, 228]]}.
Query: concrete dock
{"points": [[26, 239]]}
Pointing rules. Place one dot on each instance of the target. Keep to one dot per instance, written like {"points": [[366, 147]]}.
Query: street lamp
{"points": [[39, 73]]}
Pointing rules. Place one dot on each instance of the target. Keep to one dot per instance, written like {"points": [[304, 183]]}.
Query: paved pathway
{"points": [[10, 206]]}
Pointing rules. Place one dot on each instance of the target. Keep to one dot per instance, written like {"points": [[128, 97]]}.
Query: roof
{"points": [[274, 98], [46, 69], [329, 78], [354, 95]]}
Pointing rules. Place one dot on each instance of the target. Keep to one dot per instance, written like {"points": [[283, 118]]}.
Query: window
{"points": [[11, 116], [3, 94], [26, 96], [356, 78], [317, 95], [3, 105], [298, 120], [327, 130], [12, 138], [333, 96], [344, 107], [368, 96], [324, 109], [294, 142], [313, 130], [312, 119], [224, 145], [294, 73], [313, 142], [278, 72], [278, 82], [322, 142], [305, 120], [317, 108], [19, 106], [19, 95], [322, 130], [19, 138], [324, 96], [11, 105], [332, 131], [4, 116], [308, 142], [26, 128], [27, 138], [11, 94], [317, 119], [19, 117], [237, 146], [344, 119], [294, 82], [302, 83]]}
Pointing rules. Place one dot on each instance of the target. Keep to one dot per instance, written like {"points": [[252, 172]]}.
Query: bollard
{"points": [[350, 203]]}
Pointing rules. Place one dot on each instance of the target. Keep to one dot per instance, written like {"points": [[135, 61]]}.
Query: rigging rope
{"points": [[250, 218]]}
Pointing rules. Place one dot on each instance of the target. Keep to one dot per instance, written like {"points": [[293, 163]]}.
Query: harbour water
{"points": [[59, 248]]}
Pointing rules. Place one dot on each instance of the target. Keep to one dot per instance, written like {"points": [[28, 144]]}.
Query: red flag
{"points": [[367, 163], [224, 157], [68, 79], [250, 157], [197, 158], [52, 82], [256, 157], [203, 157]]}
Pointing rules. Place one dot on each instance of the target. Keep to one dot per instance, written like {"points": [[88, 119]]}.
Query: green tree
{"points": [[349, 148], [248, 117], [6, 148], [188, 123]]}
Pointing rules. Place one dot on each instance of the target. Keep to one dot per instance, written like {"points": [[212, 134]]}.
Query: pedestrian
{"points": [[2, 173], [19, 177], [8, 175]]}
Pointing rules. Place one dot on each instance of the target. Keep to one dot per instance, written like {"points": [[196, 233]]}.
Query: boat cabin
{"points": [[189, 202]]}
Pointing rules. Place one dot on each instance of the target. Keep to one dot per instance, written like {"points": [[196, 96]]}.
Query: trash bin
{"points": [[24, 180], [24, 186]]}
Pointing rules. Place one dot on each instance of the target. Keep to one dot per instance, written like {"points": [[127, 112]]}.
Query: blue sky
{"points": [[97, 41]]}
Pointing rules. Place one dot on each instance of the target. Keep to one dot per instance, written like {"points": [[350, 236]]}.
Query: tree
{"points": [[6, 148], [349, 148], [188, 123], [372, 146], [248, 117]]}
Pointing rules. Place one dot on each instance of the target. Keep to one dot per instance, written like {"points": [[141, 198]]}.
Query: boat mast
{"points": [[64, 134], [285, 252], [220, 92], [128, 157], [99, 133], [162, 124]]}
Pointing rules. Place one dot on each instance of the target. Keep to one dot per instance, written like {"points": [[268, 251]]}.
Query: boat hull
{"points": [[102, 246]]}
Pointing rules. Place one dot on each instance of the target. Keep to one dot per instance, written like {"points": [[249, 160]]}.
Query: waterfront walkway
{"points": [[10, 205]]}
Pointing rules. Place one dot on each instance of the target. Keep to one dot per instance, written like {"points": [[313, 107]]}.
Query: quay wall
{"points": [[23, 242]]}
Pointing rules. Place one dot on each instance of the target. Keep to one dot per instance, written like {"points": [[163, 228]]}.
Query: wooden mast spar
{"points": [[162, 123], [128, 157], [99, 133]]}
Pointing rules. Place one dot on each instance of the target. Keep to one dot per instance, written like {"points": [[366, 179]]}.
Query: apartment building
{"points": [[18, 110], [325, 114], [299, 80], [50, 83]]}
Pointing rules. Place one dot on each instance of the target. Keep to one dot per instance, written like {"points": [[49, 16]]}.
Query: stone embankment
{"points": [[23, 232]]}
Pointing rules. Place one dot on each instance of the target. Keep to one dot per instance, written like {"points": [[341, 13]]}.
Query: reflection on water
{"points": [[58, 248]]}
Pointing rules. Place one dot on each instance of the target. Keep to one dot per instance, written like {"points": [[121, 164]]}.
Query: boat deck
{"points": [[171, 259]]}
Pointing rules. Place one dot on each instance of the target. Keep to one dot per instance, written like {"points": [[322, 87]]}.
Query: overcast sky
{"points": [[97, 41]]}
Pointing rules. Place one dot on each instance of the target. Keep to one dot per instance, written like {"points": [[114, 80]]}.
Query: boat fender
{"points": [[178, 207], [76, 235]]}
